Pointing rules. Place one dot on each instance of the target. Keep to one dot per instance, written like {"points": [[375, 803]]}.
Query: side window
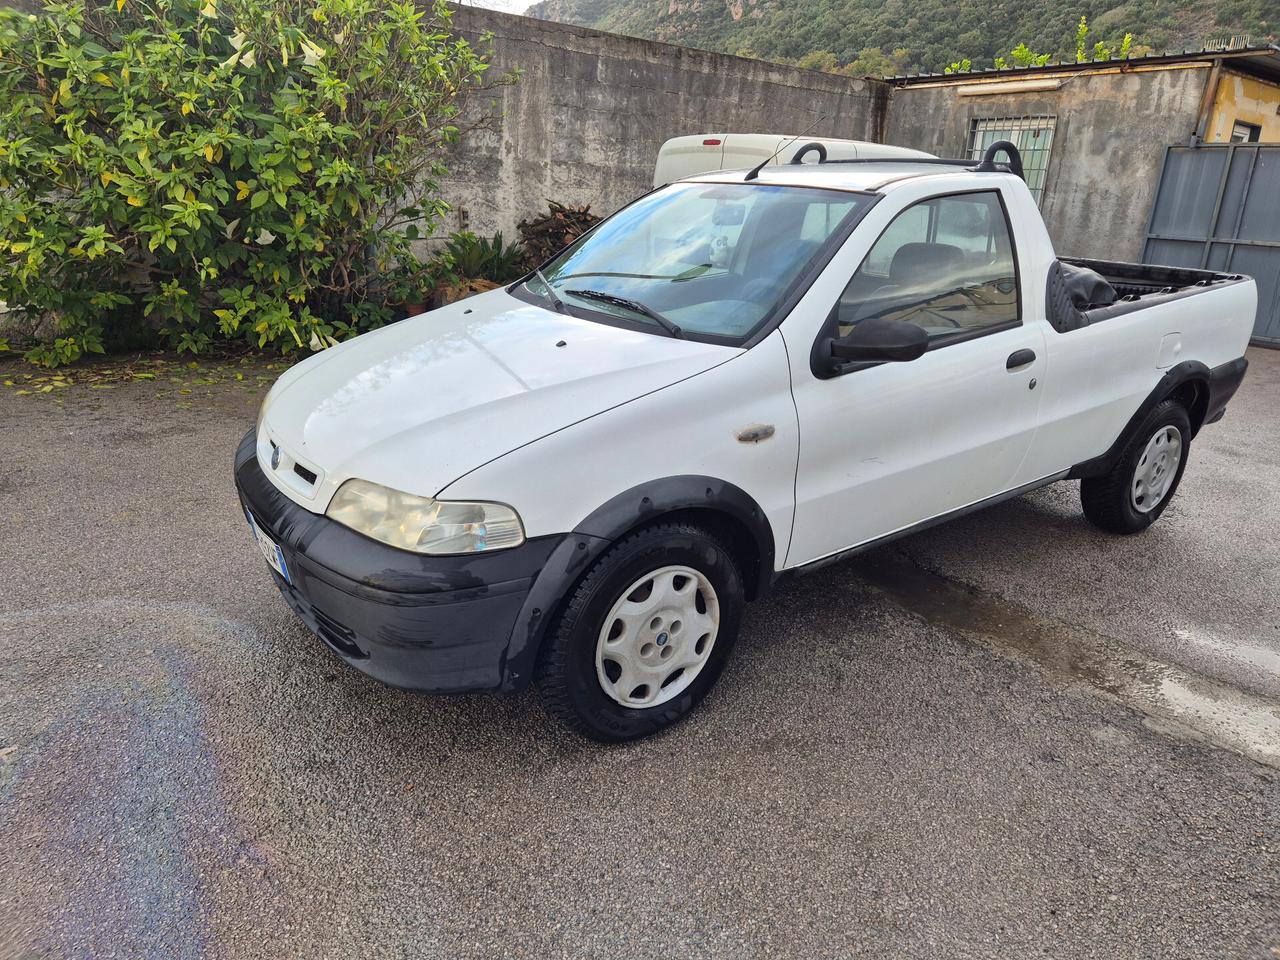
{"points": [[944, 264], [910, 225]]}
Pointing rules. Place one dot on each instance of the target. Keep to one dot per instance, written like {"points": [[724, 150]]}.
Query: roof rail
{"points": [[1011, 164], [1014, 165]]}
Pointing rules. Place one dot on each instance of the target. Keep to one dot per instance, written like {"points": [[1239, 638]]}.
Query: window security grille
{"points": [[1032, 135]]}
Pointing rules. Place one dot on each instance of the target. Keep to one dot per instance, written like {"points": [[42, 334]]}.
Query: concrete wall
{"points": [[591, 109], [1108, 147], [586, 119]]}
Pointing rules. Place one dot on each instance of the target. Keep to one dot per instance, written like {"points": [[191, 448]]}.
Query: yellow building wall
{"points": [[1247, 99]]}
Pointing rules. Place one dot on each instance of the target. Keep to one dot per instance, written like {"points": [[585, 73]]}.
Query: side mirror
{"points": [[878, 339]]}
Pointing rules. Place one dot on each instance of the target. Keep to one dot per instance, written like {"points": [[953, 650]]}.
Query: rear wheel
{"points": [[1139, 487], [644, 635]]}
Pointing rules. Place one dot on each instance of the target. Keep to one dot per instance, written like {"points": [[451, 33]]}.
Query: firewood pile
{"points": [[546, 235]]}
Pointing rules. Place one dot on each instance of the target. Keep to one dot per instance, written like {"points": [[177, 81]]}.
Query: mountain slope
{"points": [[914, 35]]}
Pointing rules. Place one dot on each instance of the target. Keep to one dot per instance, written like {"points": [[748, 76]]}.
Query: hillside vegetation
{"points": [[890, 36]]}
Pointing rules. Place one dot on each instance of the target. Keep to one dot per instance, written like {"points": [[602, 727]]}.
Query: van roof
{"points": [[870, 176], [785, 144]]}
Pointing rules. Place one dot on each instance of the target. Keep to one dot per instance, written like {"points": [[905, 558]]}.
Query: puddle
{"points": [[1220, 714]]}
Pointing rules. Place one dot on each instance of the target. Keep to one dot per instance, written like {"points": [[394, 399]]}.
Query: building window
{"points": [[1033, 136], [1242, 132]]}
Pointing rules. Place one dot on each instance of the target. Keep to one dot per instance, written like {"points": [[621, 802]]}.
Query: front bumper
{"points": [[441, 624]]}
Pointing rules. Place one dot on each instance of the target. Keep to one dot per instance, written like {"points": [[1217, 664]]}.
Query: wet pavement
{"points": [[1211, 709], [1010, 735]]}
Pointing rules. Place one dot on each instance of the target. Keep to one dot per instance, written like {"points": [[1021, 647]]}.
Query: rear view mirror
{"points": [[878, 339], [729, 214]]}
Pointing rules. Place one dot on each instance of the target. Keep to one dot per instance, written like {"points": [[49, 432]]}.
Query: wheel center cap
{"points": [[662, 639]]}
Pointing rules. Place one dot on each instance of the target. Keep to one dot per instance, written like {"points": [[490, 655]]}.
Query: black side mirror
{"points": [[878, 339]]}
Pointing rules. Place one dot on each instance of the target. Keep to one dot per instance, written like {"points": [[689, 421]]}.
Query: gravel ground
{"points": [[1005, 737]]}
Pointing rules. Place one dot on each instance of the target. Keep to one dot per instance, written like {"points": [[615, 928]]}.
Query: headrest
{"points": [[923, 259]]}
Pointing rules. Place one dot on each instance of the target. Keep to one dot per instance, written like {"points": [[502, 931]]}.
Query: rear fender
{"points": [[1203, 391]]}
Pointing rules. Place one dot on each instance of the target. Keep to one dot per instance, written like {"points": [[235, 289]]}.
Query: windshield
{"points": [[712, 259]]}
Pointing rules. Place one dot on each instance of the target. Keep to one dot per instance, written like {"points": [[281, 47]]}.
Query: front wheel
{"points": [[1139, 487], [644, 635]]}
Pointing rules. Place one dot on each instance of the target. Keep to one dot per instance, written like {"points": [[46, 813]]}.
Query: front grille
{"points": [[283, 467]]}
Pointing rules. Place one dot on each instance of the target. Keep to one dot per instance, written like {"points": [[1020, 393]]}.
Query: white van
{"points": [[682, 157]]}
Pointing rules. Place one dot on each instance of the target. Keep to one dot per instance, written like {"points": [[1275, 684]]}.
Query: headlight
{"points": [[262, 409], [424, 525]]}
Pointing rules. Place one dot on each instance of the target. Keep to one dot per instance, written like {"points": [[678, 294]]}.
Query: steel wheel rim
{"points": [[657, 637], [1156, 468]]}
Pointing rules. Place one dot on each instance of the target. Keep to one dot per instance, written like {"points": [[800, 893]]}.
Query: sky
{"points": [[509, 6]]}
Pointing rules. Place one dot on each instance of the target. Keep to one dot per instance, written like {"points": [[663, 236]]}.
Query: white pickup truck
{"points": [[582, 478]]}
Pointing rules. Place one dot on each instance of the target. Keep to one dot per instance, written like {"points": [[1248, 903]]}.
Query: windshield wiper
{"points": [[633, 305], [624, 276], [551, 293]]}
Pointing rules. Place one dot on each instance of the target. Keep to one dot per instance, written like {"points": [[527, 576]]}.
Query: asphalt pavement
{"points": [[1010, 736]]}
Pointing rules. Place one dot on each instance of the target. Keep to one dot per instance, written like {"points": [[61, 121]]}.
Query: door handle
{"points": [[1020, 358]]}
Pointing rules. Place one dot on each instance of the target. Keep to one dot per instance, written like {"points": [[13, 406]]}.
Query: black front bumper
{"points": [[442, 624]]}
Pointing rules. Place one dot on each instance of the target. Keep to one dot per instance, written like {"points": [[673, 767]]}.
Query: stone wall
{"points": [[585, 122]]}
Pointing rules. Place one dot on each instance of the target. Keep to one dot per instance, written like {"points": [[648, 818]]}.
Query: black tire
{"points": [[1107, 499], [566, 675]]}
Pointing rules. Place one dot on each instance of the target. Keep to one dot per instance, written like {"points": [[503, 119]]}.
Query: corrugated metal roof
{"points": [[1260, 59]]}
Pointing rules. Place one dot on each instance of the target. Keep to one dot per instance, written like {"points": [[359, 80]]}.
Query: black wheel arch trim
{"points": [[648, 502], [1212, 389]]}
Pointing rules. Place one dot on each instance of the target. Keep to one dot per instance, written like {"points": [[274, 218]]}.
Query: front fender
{"points": [[645, 503]]}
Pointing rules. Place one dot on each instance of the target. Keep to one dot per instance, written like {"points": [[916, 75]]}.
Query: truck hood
{"points": [[420, 403]]}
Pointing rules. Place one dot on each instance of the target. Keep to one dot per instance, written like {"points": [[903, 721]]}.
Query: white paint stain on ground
{"points": [[1268, 661]]}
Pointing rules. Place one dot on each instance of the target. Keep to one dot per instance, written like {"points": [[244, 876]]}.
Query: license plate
{"points": [[270, 549]]}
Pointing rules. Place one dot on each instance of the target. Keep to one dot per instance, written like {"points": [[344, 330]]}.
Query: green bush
{"points": [[468, 257], [189, 171]]}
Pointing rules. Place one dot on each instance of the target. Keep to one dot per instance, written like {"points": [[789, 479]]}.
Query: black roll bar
{"points": [[988, 164]]}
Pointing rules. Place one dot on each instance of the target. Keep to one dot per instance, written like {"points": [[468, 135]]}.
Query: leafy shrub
{"points": [[469, 257], [195, 170], [547, 234], [469, 264], [1024, 56]]}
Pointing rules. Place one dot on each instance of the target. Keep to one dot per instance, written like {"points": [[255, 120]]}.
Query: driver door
{"points": [[889, 445]]}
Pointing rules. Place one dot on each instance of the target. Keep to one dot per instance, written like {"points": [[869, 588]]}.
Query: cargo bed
{"points": [[1073, 303]]}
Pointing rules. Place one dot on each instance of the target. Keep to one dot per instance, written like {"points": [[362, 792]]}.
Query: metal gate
{"points": [[1218, 207]]}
